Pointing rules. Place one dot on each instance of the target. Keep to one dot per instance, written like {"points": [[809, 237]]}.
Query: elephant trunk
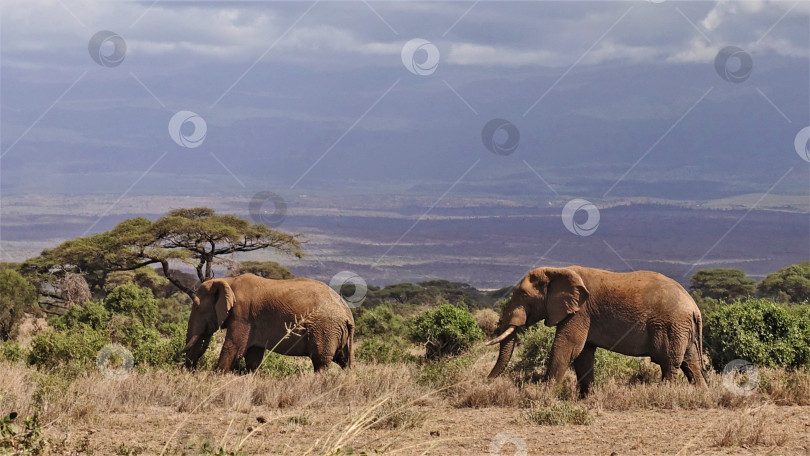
{"points": [[504, 355], [190, 342]]}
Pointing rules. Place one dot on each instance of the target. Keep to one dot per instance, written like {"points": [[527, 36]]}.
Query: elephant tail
{"points": [[349, 355], [698, 321]]}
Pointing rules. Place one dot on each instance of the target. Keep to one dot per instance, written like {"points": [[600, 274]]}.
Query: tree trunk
{"points": [[173, 279]]}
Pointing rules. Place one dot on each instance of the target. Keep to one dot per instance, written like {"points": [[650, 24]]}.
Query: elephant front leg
{"points": [[233, 348], [568, 344], [583, 366]]}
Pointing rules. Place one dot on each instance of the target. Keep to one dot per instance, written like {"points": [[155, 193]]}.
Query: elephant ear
{"points": [[224, 301], [566, 293]]}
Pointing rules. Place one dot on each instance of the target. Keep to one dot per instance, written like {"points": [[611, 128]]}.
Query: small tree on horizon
{"points": [[723, 283], [198, 237]]}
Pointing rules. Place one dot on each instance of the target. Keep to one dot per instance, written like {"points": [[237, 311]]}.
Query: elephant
{"points": [[257, 312], [641, 313]]}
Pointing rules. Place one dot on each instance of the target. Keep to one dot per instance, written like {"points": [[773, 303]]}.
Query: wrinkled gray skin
{"points": [[638, 313], [256, 313]]}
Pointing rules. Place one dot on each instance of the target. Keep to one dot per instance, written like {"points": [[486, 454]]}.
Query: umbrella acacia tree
{"points": [[197, 236]]}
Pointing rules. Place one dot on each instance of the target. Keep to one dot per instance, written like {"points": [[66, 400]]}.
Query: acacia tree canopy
{"points": [[197, 236], [723, 283]]}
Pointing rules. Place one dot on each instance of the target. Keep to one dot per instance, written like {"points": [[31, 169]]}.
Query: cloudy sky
{"points": [[303, 95]]}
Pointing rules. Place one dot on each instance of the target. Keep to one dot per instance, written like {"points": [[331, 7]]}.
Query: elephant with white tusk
{"points": [[638, 313], [258, 315]]}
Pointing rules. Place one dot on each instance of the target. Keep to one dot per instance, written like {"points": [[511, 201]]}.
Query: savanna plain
{"points": [[446, 408]]}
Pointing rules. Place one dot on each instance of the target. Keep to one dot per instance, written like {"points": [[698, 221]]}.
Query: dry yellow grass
{"points": [[399, 409]]}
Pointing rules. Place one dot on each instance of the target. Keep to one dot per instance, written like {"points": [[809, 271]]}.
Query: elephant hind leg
{"points": [[321, 362], [253, 358], [583, 366], [342, 358], [692, 366], [322, 348]]}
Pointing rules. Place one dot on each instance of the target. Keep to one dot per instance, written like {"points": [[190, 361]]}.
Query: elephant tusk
{"points": [[503, 336]]}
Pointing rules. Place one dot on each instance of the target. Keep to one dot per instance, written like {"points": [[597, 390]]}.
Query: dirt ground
{"points": [[444, 431]]}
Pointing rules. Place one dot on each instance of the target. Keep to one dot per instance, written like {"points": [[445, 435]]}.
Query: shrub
{"points": [[138, 302], [760, 331], [279, 365], [559, 414], [383, 350], [443, 372], [625, 369], [487, 320], [93, 315], [27, 440], [74, 346], [380, 321], [535, 348], [12, 352], [16, 296], [448, 330]]}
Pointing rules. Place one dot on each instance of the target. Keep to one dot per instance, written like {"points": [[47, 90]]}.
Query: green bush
{"points": [[12, 352], [130, 299], [443, 372], [25, 441], [760, 331], [382, 350], [17, 296], [623, 368], [74, 346], [93, 315], [447, 330], [279, 365], [380, 321], [535, 347]]}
